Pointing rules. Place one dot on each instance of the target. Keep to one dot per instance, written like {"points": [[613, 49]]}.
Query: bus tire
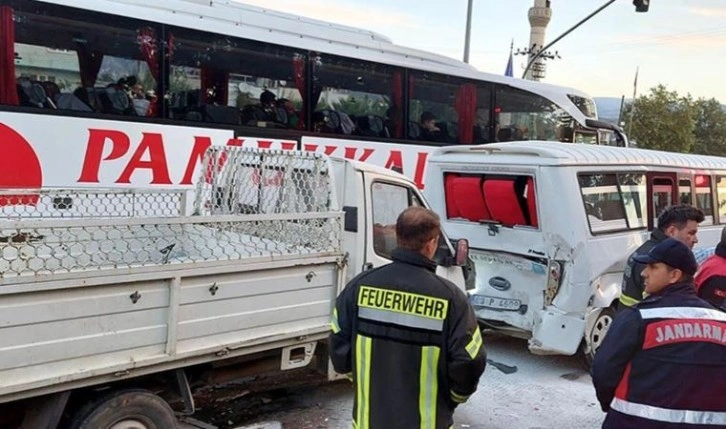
{"points": [[596, 335], [139, 409]]}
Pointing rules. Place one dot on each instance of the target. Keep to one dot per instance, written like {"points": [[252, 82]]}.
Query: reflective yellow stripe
{"points": [[334, 322], [428, 386], [411, 304], [363, 380], [459, 399], [627, 300], [475, 344]]}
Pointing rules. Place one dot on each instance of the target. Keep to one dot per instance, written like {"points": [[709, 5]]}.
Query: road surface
{"points": [[545, 392]]}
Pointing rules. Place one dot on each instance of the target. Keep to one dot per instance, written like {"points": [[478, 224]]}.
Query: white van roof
{"points": [[551, 153]]}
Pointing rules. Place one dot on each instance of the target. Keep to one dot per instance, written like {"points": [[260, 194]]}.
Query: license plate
{"points": [[498, 303]]}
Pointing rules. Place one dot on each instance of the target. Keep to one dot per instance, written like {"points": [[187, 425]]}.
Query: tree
{"points": [[710, 129], [662, 120]]}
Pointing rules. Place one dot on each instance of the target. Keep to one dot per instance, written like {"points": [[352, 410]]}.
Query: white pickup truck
{"points": [[107, 294]]}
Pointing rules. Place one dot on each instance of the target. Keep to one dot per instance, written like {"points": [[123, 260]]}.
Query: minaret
{"points": [[539, 16]]}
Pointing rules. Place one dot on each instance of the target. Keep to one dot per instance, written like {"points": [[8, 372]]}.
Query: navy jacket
{"points": [[662, 365]]}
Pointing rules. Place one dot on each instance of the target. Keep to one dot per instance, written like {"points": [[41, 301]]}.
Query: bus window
{"points": [[441, 109], [585, 105], [484, 126], [684, 192], [662, 193], [721, 192], [357, 97], [65, 61], [704, 198], [522, 115], [221, 79]]}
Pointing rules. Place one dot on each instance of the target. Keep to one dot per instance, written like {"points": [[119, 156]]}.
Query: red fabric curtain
{"points": [[217, 82], [466, 110], [150, 53], [89, 64], [397, 112], [8, 90]]}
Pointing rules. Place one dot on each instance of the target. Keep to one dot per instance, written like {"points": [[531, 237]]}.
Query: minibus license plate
{"points": [[498, 303]]}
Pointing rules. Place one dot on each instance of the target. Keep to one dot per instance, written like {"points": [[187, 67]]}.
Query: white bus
{"points": [[131, 93], [551, 225]]}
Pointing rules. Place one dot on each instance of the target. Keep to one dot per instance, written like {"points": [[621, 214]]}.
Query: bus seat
{"points": [[221, 114], [532, 203], [52, 91], [31, 93], [468, 198], [502, 202], [414, 130]]}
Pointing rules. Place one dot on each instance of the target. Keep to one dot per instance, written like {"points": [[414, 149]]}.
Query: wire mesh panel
{"points": [[90, 203], [249, 203], [242, 180]]}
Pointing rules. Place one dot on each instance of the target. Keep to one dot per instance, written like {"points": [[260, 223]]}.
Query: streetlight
{"points": [[640, 6]]}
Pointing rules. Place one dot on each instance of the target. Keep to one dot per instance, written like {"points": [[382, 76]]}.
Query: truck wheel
{"points": [[125, 409], [597, 334]]}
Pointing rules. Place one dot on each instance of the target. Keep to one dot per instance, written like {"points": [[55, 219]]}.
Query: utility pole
{"points": [[467, 38]]}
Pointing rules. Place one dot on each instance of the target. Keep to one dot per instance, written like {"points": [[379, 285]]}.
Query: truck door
{"points": [[387, 199]]}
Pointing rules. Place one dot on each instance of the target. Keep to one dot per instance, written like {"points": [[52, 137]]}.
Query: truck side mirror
{"points": [[462, 252]]}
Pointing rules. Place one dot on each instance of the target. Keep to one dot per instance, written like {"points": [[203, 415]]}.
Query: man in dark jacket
{"points": [[680, 222], [711, 278], [408, 338], [663, 363]]}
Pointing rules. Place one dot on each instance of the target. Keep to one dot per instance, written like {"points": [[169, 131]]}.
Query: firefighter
{"points": [[663, 363], [681, 222], [407, 338]]}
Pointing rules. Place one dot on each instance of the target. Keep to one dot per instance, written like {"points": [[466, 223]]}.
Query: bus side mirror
{"points": [[462, 252]]}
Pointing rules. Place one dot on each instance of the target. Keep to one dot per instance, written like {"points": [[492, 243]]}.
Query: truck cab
{"points": [[372, 197]]}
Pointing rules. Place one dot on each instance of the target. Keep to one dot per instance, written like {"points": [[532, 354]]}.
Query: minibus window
{"points": [[635, 195], [684, 191], [502, 199], [703, 198], [662, 192], [604, 208], [721, 189]]}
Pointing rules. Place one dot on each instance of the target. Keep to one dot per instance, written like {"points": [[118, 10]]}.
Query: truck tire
{"points": [[596, 336], [125, 409]]}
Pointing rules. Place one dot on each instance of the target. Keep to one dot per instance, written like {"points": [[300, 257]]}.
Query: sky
{"points": [[678, 43]]}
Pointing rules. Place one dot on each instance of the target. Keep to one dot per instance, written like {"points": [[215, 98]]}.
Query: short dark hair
{"points": [[679, 215], [267, 97], [427, 116], [415, 227]]}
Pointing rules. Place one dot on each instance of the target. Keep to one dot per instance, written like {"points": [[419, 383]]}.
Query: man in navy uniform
{"points": [[662, 364]]}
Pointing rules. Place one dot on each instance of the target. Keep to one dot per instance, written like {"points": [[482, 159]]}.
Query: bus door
{"points": [[662, 192]]}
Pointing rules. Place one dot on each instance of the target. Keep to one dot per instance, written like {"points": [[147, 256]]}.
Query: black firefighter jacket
{"points": [[632, 287], [411, 343], [662, 365]]}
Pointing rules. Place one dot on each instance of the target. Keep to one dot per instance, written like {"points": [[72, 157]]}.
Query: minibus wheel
{"points": [[125, 409], [595, 337]]}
